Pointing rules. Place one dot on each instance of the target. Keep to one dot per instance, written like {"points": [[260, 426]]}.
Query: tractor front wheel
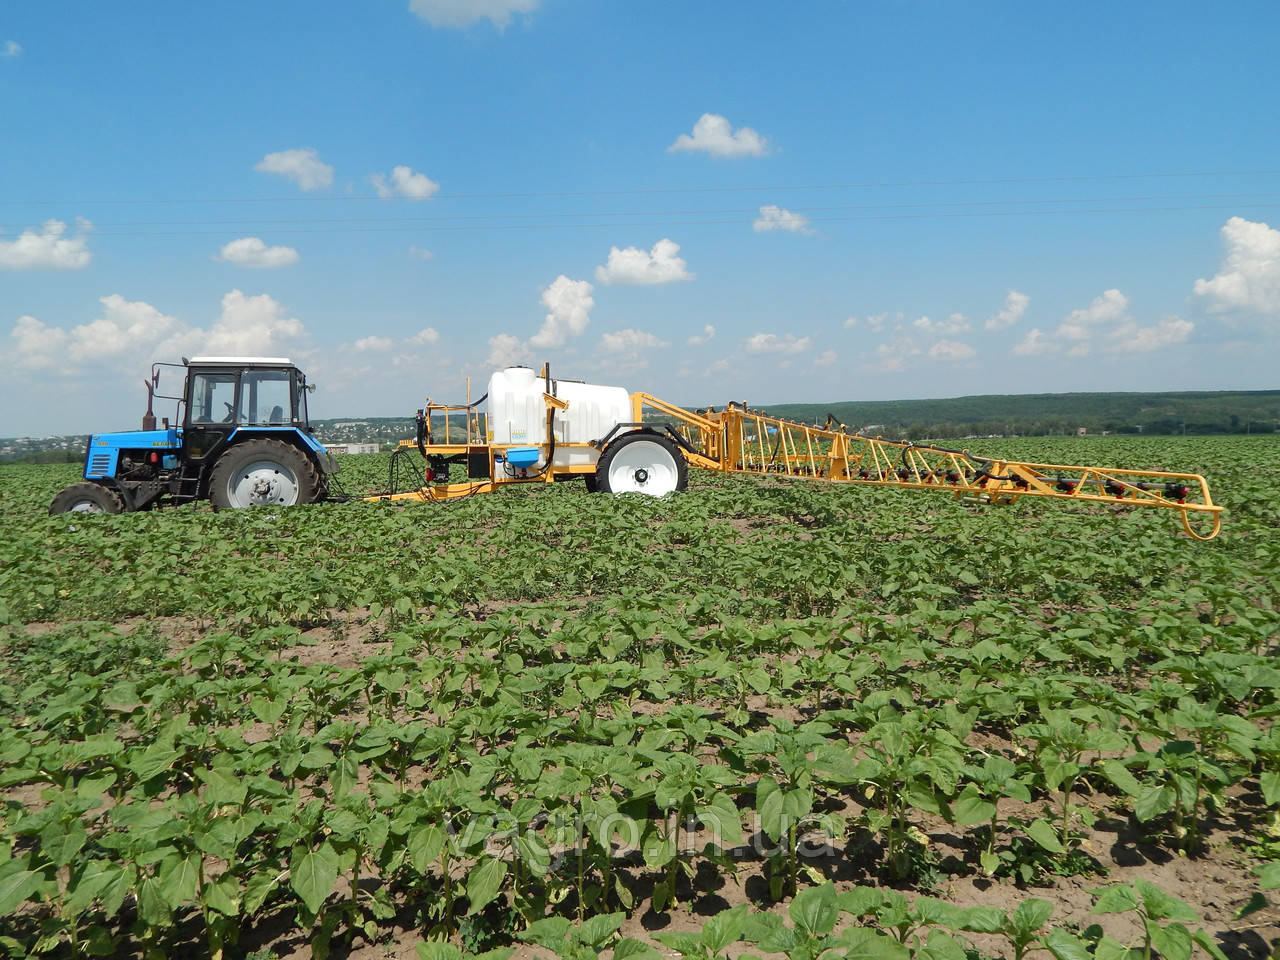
{"points": [[263, 473], [87, 498]]}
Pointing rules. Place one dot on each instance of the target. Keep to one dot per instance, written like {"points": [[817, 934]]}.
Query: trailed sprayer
{"points": [[535, 428]]}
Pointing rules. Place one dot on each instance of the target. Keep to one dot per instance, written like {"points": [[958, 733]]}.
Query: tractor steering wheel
{"points": [[231, 412]]}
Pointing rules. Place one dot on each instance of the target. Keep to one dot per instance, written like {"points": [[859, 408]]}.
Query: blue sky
{"points": [[706, 201]]}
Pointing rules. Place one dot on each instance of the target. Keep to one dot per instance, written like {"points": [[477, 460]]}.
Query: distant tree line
{"points": [[1062, 414]]}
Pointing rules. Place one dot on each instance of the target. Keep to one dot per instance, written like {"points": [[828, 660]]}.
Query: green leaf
{"points": [[178, 879], [16, 888], [941, 946], [596, 930], [1270, 783], [1119, 774], [1116, 899], [437, 950], [1030, 915], [980, 920], [1066, 946], [1161, 905], [223, 895], [970, 808], [724, 928], [813, 910], [152, 907], [1172, 942], [629, 948], [867, 943], [682, 942], [1268, 875], [312, 874], [1042, 832], [483, 883], [424, 846], [722, 818], [1153, 801], [769, 800], [548, 932], [1209, 945]]}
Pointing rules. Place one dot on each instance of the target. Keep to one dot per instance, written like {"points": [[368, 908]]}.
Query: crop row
{"points": [[452, 770]]}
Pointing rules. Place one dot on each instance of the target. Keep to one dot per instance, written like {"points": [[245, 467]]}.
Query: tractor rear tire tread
{"points": [[235, 458]]}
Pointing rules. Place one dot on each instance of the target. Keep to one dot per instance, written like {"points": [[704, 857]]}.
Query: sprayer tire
{"points": [[642, 462]]}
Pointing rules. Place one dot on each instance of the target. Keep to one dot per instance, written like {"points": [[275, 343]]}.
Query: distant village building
{"points": [[353, 447], [1080, 431]]}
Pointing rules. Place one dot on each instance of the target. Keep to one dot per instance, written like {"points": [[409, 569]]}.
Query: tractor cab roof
{"points": [[241, 362]]}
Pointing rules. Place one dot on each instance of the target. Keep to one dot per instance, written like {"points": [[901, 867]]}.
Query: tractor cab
{"points": [[226, 395], [240, 437]]}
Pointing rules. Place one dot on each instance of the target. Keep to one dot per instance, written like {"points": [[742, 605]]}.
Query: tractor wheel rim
{"points": [[84, 506], [643, 467], [261, 483]]}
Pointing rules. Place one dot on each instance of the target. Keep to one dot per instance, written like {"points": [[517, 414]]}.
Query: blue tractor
{"points": [[240, 438]]}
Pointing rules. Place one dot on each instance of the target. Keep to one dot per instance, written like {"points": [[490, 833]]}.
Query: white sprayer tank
{"points": [[518, 414]]}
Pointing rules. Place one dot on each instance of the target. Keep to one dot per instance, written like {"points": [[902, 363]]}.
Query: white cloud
{"points": [[875, 322], [1015, 307], [35, 345], [372, 344], [955, 323], [420, 253], [405, 182], [425, 336], [1248, 280], [126, 326], [50, 249], [303, 166], [506, 350], [569, 303], [1111, 306], [1131, 338], [895, 354], [712, 134], [252, 326], [635, 267], [708, 332], [129, 330], [825, 359], [630, 341], [11, 49], [776, 218], [952, 350], [252, 252], [772, 343], [464, 13], [1034, 343]]}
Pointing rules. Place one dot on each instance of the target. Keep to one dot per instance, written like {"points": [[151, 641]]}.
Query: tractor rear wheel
{"points": [[87, 498], [263, 472], [642, 463]]}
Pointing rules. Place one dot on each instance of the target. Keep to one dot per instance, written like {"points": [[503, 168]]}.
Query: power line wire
{"points": [[511, 195], [446, 218], [429, 228]]}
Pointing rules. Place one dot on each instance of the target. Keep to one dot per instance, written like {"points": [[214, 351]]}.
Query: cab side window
{"points": [[213, 398]]}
